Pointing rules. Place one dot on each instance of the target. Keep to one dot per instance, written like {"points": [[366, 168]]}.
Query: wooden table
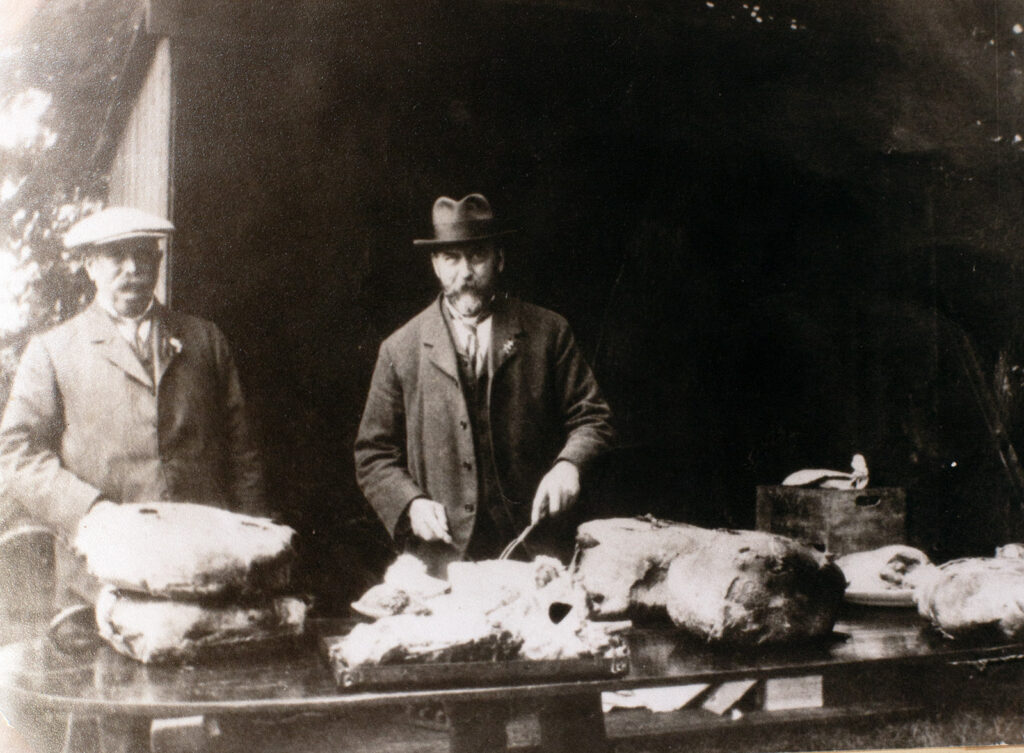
{"points": [[870, 648]]}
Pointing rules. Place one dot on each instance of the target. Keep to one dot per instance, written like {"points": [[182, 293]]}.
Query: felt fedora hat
{"points": [[115, 224], [467, 220]]}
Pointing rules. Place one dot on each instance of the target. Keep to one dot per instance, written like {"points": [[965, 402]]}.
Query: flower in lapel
{"points": [[509, 347], [175, 344]]}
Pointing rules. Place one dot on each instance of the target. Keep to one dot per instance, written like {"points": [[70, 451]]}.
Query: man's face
{"points": [[125, 273], [468, 274]]}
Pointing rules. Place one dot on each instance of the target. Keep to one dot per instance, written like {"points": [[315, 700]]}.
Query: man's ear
{"points": [[434, 260]]}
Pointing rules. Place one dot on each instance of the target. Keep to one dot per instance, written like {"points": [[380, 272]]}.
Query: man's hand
{"points": [[557, 491], [429, 521]]}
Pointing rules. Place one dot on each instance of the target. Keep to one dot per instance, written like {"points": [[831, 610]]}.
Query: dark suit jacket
{"points": [[85, 420], [415, 438]]}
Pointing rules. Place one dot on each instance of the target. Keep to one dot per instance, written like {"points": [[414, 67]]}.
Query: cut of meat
{"points": [[446, 637], [883, 569], [495, 610], [739, 587], [1011, 551], [409, 574], [490, 584], [966, 596], [382, 600], [154, 630], [184, 550], [405, 590]]}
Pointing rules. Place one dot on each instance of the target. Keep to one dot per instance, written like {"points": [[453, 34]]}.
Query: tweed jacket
{"points": [[415, 438], [85, 420]]}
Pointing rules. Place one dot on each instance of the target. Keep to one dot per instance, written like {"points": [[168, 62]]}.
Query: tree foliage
{"points": [[59, 80]]}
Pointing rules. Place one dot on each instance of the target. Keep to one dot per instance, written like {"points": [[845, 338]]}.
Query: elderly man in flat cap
{"points": [[128, 401]]}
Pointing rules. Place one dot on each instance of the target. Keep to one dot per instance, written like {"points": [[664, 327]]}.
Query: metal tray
{"points": [[474, 674]]}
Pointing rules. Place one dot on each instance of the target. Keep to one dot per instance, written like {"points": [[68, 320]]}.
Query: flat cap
{"points": [[116, 224]]}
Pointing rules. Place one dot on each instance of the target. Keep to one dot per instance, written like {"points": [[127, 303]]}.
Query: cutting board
{"points": [[471, 674]]}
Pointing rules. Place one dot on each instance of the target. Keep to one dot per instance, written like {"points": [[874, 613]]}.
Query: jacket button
{"points": [[463, 424], [467, 465], [469, 508]]}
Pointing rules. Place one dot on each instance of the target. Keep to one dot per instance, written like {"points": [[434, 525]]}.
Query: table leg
{"points": [[80, 734], [123, 734], [190, 734], [109, 734], [573, 723], [477, 727]]}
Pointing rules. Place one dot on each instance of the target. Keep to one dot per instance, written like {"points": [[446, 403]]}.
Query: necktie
{"points": [[472, 348], [142, 341]]}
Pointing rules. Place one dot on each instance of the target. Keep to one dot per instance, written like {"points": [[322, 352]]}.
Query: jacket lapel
{"points": [[506, 330], [438, 342], [168, 344], [104, 335]]}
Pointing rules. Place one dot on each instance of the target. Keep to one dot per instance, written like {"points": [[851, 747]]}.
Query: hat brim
{"points": [[82, 246], [436, 242]]}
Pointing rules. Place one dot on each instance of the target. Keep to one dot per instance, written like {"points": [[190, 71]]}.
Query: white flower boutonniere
{"points": [[508, 348], [175, 344]]}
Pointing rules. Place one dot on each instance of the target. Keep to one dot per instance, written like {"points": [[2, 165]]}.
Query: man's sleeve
{"points": [[243, 457], [381, 465], [586, 415], [31, 472]]}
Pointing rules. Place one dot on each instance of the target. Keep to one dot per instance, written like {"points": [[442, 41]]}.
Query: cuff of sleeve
{"points": [[403, 528], [405, 492], [75, 503], [574, 454]]}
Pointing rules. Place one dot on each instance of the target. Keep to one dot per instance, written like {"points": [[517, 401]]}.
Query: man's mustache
{"points": [[133, 286]]}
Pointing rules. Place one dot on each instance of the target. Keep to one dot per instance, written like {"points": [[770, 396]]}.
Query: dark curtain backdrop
{"points": [[763, 259]]}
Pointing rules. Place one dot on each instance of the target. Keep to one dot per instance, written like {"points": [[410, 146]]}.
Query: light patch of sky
{"points": [[20, 118], [9, 188]]}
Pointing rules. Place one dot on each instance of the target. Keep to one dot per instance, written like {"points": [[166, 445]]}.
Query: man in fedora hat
{"points": [[482, 413], [481, 416], [127, 401]]}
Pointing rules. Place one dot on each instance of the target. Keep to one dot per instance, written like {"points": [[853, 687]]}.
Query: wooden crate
{"points": [[834, 520]]}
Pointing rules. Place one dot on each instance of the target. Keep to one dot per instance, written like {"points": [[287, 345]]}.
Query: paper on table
{"points": [[825, 479], [669, 698], [727, 695]]}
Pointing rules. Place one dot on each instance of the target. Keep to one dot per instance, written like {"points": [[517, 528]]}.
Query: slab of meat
{"points": [[722, 586], [154, 630], [492, 610], [973, 595], [444, 637], [186, 551], [884, 569]]}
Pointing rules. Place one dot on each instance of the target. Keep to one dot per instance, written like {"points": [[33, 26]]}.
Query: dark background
{"points": [[779, 242]]}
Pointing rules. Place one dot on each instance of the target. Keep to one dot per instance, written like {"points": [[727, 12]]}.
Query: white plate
{"points": [[903, 597], [371, 610]]}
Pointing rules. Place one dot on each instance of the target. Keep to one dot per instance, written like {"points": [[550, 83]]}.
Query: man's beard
{"points": [[469, 301], [131, 299]]}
